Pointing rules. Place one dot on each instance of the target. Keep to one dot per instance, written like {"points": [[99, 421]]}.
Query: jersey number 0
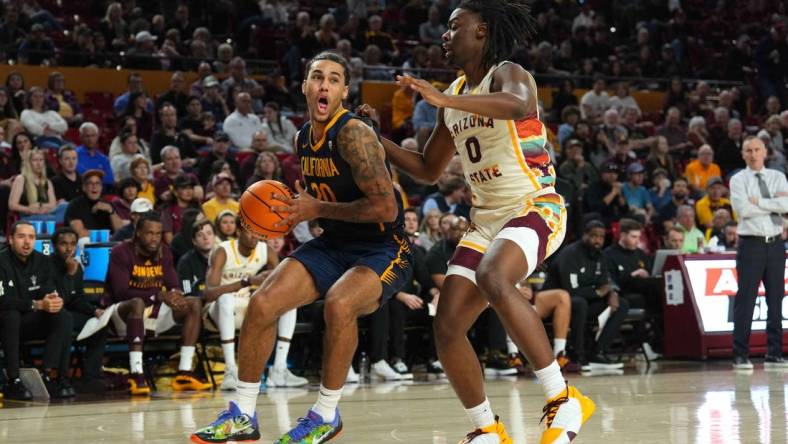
{"points": [[474, 149]]}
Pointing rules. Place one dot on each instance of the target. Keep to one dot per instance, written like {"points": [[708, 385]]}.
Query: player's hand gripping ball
{"points": [[258, 213]]}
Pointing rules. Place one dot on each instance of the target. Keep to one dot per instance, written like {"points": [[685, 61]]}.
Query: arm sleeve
{"points": [[740, 202]]}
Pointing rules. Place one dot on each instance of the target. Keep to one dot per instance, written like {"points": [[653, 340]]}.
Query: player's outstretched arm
{"points": [[428, 166], [512, 96]]}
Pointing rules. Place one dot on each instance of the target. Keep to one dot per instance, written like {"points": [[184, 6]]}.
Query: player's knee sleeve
{"points": [[226, 304], [287, 324]]}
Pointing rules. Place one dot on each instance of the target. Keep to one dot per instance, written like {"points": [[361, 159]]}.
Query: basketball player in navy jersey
{"points": [[361, 259]]}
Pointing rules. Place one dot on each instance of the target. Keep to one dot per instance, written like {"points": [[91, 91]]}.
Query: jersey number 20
{"points": [[324, 192], [474, 149]]}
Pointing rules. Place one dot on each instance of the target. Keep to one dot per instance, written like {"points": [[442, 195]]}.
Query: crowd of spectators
{"points": [[634, 181]]}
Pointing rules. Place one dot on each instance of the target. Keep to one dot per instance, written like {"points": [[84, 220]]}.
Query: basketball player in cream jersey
{"points": [[490, 117], [235, 266]]}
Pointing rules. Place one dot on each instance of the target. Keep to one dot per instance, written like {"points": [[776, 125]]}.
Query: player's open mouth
{"points": [[322, 104]]}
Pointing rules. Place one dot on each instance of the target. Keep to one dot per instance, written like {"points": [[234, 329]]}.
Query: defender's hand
{"points": [[366, 110], [425, 88], [301, 208]]}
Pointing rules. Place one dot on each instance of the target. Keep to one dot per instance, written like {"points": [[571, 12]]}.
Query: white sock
{"points": [[327, 401], [135, 362], [187, 354], [511, 347], [559, 345], [482, 415], [552, 380], [228, 349], [280, 359], [247, 396]]}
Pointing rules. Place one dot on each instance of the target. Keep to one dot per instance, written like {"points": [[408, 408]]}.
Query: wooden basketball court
{"points": [[670, 403]]}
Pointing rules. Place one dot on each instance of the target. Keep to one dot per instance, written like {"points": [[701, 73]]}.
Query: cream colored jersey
{"points": [[504, 161], [237, 266]]}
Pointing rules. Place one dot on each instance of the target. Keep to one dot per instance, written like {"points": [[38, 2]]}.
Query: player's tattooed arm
{"points": [[359, 146]]}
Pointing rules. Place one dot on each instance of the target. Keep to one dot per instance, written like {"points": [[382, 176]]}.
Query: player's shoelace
{"points": [[478, 432], [306, 426], [551, 409]]}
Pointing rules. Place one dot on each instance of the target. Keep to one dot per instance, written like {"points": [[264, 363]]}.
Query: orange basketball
{"points": [[256, 213]]}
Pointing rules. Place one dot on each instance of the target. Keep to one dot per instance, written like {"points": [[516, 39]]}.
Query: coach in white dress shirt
{"points": [[759, 196]]}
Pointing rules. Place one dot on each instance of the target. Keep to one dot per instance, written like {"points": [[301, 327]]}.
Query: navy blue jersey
{"points": [[328, 177]]}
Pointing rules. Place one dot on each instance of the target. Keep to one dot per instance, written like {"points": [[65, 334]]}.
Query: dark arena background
{"points": [[116, 117]]}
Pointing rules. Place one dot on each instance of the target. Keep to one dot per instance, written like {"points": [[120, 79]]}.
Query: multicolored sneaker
{"points": [[187, 381], [515, 361], [231, 425], [312, 430], [564, 415], [497, 429], [138, 386]]}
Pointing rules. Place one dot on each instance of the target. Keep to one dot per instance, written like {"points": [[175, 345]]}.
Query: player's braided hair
{"points": [[509, 24]]}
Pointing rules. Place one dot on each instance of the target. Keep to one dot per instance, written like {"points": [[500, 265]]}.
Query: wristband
{"points": [[245, 282]]}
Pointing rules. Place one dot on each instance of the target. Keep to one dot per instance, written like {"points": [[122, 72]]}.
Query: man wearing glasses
{"points": [[88, 212]]}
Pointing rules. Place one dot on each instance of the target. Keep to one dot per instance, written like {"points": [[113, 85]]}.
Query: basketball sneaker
{"points": [[231, 425], [283, 377], [352, 376], [402, 368], [312, 430], [381, 370], [187, 381], [138, 386], [564, 415], [488, 435], [516, 362], [497, 364], [230, 380]]}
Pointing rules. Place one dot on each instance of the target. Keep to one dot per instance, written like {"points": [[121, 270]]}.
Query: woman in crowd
{"points": [[63, 101], [140, 172], [281, 130], [9, 118], [659, 157], [266, 167], [430, 230], [128, 123], [129, 151], [225, 226], [180, 200], [32, 194], [136, 107], [15, 84], [128, 190], [45, 125]]}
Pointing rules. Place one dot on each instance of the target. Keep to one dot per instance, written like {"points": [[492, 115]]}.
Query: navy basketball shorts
{"points": [[328, 259]]}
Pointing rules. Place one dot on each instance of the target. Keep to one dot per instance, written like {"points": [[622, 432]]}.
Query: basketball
{"points": [[256, 213]]}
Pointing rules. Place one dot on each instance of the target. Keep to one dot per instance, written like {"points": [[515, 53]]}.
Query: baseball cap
{"points": [[635, 168], [209, 82], [94, 172], [183, 182], [221, 135], [716, 180], [610, 167], [141, 205], [144, 36], [573, 142], [220, 177], [659, 172]]}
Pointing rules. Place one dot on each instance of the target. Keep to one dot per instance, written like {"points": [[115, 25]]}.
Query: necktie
{"points": [[776, 218]]}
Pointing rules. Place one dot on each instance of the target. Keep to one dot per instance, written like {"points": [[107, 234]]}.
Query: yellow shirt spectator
{"points": [[401, 107], [213, 207]]}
